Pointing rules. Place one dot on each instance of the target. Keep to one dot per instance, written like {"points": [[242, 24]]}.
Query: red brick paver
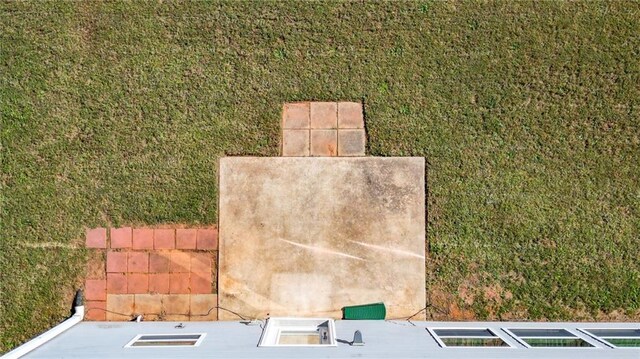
{"points": [[186, 238], [159, 283], [159, 262], [148, 268], [351, 142], [295, 143], [95, 289], [142, 238], [138, 262], [324, 115], [350, 115], [95, 310], [116, 262], [121, 237], [295, 115], [116, 283], [203, 307], [164, 239], [137, 283], [120, 306], [149, 305], [179, 283], [319, 137], [324, 142], [96, 238], [200, 283], [173, 304], [180, 262], [201, 263], [207, 238]]}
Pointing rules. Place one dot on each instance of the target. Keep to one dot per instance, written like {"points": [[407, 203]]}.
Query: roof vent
{"points": [[357, 339]]}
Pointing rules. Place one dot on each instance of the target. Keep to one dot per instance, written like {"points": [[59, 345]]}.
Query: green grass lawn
{"points": [[528, 114]]}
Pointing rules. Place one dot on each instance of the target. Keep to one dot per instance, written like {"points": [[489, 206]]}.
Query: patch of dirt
{"points": [[95, 267], [466, 293], [214, 270], [618, 315], [477, 289], [438, 300], [443, 306], [517, 314], [457, 313], [493, 293], [497, 303]]}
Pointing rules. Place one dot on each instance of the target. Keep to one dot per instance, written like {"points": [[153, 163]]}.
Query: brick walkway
{"points": [[161, 273], [323, 129]]}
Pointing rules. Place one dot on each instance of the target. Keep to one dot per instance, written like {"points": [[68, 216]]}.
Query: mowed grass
{"points": [[528, 114]]}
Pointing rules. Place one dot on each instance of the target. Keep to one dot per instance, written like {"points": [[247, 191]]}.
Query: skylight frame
{"points": [[574, 336], [276, 326], [436, 337], [169, 337], [604, 340]]}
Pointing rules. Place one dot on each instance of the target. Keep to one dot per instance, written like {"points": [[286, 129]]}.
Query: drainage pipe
{"points": [[24, 349]]}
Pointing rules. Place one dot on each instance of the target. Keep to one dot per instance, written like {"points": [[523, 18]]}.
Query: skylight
{"points": [[548, 338], [166, 340], [467, 337], [617, 338], [310, 332]]}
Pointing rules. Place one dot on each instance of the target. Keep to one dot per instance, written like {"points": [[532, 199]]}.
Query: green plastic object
{"points": [[373, 311]]}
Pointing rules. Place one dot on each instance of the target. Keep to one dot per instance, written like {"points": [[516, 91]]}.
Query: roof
{"points": [[383, 339]]}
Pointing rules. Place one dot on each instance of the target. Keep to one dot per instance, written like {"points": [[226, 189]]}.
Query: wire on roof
{"points": [[133, 316]]}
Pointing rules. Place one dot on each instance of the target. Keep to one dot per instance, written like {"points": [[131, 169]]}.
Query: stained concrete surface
{"points": [[307, 236]]}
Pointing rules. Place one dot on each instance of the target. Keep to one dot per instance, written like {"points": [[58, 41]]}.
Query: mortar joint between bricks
{"points": [[367, 145]]}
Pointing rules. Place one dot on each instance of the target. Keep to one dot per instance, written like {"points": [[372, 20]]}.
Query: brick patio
{"points": [[160, 273], [323, 129]]}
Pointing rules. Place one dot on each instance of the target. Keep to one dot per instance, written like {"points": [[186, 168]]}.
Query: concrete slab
{"points": [[307, 236]]}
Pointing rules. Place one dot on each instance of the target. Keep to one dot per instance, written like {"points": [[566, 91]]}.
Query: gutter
{"points": [[24, 349]]}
